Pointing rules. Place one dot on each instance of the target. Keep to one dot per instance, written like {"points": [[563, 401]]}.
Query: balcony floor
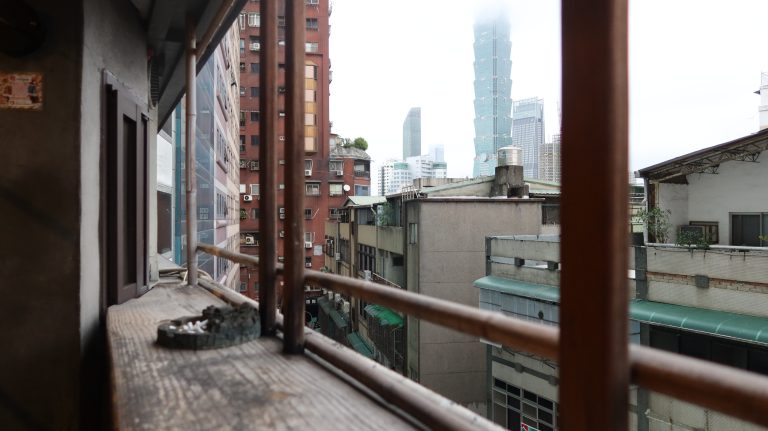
{"points": [[250, 386]]}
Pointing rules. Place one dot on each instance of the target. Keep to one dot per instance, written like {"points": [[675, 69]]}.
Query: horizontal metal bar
{"points": [[534, 338], [240, 258], [427, 407], [718, 387], [729, 390]]}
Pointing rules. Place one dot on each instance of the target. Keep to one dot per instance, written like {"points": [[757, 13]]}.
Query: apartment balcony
{"points": [[362, 174]]}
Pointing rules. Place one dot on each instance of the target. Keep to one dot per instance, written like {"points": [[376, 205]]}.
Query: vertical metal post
{"points": [[268, 167], [191, 189], [293, 293], [593, 315]]}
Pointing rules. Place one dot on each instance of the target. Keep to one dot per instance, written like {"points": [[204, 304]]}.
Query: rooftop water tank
{"points": [[510, 156]]}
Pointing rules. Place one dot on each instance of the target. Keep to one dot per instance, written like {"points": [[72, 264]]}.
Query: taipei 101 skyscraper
{"points": [[493, 88]]}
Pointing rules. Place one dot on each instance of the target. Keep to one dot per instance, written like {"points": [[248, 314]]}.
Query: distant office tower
{"points": [[437, 152], [420, 166], [393, 176], [528, 132], [549, 160], [412, 133], [440, 170], [493, 87]]}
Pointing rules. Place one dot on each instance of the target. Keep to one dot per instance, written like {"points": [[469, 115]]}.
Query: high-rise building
{"points": [[393, 176], [437, 152], [493, 89], [412, 133], [549, 160], [325, 174], [420, 166], [528, 132], [217, 176]]}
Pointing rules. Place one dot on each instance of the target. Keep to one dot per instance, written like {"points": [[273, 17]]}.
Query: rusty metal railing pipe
{"points": [[190, 163], [293, 289], [537, 339], [268, 166], [718, 387]]}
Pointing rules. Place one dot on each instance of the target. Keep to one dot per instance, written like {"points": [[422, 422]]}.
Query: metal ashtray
{"points": [[216, 327]]}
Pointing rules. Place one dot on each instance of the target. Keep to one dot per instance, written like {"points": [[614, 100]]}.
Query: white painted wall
{"points": [[674, 197], [738, 187]]}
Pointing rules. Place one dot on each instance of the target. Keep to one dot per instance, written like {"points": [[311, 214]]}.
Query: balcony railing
{"points": [[363, 174], [595, 370]]}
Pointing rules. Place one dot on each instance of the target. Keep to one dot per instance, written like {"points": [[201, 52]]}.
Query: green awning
{"points": [[359, 345], [519, 288], [743, 327], [739, 326], [334, 314], [385, 315]]}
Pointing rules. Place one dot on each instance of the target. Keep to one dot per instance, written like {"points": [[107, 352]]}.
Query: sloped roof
{"points": [[349, 153], [747, 149], [364, 201]]}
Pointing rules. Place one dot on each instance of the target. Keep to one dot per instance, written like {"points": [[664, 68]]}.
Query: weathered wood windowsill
{"points": [[250, 386]]}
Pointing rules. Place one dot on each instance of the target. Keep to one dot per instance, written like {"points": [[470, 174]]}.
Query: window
{"points": [[242, 146], [309, 237], [312, 2], [242, 90], [513, 407], [254, 91], [311, 47], [254, 140], [242, 118], [336, 165], [312, 24], [334, 213], [309, 119], [242, 46], [254, 213], [746, 229], [254, 20], [413, 233], [313, 189], [361, 190], [255, 115], [254, 67], [335, 189], [255, 189], [308, 166], [241, 20], [310, 71], [309, 144], [308, 214], [242, 66], [281, 21]]}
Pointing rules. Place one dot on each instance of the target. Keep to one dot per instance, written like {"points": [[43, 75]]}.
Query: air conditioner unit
{"points": [[339, 173], [307, 264], [282, 138], [307, 172], [338, 256], [307, 244], [255, 46], [281, 210], [282, 216], [247, 198], [282, 234], [249, 240], [345, 306]]}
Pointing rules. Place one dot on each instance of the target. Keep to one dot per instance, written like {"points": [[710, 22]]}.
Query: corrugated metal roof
{"points": [[359, 344], [364, 200], [385, 315], [519, 288]]}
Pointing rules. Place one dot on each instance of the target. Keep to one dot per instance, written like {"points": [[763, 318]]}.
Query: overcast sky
{"points": [[694, 65]]}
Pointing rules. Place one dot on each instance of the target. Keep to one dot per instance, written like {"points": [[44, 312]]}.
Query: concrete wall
{"points": [[667, 413], [366, 235], [40, 206], [451, 250], [391, 239], [674, 197], [50, 201], [737, 187]]}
